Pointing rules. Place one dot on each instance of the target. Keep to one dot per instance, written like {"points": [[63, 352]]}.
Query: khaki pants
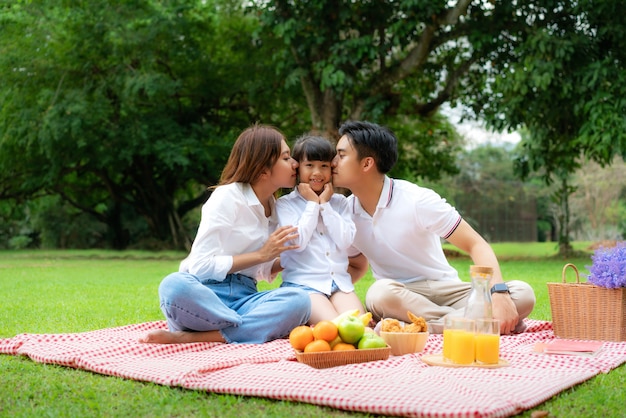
{"points": [[434, 299]]}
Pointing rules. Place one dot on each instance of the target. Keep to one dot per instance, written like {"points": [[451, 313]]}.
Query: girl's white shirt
{"points": [[233, 222], [325, 231]]}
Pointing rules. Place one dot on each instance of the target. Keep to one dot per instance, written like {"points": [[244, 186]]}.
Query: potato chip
{"points": [[391, 325], [418, 324]]}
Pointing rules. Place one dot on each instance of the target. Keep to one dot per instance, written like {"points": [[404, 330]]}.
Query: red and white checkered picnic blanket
{"points": [[402, 385]]}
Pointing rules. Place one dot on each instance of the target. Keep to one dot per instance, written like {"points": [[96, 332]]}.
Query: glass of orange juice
{"points": [[447, 336], [460, 345], [487, 341]]}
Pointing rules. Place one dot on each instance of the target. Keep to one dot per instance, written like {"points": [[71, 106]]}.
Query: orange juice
{"points": [[487, 348], [447, 344], [462, 347]]}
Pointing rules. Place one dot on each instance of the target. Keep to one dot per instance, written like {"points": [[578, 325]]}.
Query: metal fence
{"points": [[506, 216]]}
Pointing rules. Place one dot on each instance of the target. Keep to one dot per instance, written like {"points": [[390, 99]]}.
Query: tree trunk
{"points": [[565, 246], [119, 237]]}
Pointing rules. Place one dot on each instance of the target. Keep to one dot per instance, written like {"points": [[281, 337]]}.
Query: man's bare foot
{"points": [[162, 336]]}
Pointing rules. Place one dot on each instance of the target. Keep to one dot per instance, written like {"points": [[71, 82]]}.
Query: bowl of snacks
{"points": [[404, 338]]}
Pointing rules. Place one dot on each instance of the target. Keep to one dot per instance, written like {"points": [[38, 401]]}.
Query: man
{"points": [[400, 226]]}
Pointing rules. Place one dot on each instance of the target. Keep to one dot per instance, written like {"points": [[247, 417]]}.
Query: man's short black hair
{"points": [[372, 140]]}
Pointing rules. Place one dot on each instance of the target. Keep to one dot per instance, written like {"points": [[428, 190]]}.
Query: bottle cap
{"points": [[481, 270]]}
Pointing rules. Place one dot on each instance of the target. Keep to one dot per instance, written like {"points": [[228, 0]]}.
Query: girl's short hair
{"points": [[313, 148], [256, 149]]}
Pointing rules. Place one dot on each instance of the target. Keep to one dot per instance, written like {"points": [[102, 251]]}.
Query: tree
{"points": [[597, 205], [362, 59], [127, 109], [428, 147], [554, 66], [567, 86], [390, 62]]}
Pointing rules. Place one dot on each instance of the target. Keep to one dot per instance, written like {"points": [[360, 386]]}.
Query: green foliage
{"points": [[373, 60], [428, 147], [126, 110], [565, 86], [61, 225], [123, 109], [14, 233], [565, 83]]}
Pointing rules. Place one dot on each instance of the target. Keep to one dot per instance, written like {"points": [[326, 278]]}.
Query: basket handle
{"points": [[564, 270]]}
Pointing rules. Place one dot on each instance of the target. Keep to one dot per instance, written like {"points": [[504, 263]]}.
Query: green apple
{"points": [[351, 329], [371, 340]]}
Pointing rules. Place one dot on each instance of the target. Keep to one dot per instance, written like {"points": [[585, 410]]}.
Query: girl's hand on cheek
{"points": [[327, 193], [307, 192]]}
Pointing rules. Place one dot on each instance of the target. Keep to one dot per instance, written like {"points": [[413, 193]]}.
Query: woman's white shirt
{"points": [[233, 222]]}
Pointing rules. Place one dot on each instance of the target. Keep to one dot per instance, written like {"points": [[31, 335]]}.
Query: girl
{"points": [[325, 231], [213, 297]]}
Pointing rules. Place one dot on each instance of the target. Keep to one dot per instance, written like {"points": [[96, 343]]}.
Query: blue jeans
{"points": [[333, 289], [234, 307]]}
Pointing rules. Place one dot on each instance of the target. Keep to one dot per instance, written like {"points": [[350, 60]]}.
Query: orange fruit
{"points": [[325, 330], [317, 345], [300, 336], [343, 347]]}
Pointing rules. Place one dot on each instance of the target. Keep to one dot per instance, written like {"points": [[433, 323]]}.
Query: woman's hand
{"points": [[278, 242], [273, 247]]}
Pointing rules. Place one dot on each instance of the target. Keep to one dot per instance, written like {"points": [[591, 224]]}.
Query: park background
{"points": [[117, 115]]}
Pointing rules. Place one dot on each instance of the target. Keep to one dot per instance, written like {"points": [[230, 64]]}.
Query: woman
{"points": [[213, 297]]}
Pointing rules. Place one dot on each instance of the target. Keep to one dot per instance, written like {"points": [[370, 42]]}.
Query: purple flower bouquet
{"points": [[608, 268]]}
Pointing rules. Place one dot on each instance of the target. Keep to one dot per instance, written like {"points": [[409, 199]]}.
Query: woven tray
{"points": [[326, 359], [587, 312], [438, 360]]}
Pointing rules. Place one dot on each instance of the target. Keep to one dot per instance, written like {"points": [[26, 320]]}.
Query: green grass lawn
{"points": [[75, 291]]}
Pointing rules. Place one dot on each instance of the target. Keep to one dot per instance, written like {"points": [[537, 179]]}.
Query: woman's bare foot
{"points": [[162, 336]]}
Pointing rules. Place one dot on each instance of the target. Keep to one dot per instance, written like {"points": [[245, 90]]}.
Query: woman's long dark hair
{"points": [[256, 150]]}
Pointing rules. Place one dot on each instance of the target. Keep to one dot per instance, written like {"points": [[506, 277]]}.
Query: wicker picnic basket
{"points": [[587, 312], [326, 359]]}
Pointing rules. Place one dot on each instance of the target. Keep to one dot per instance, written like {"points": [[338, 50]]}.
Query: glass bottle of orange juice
{"points": [[479, 300]]}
